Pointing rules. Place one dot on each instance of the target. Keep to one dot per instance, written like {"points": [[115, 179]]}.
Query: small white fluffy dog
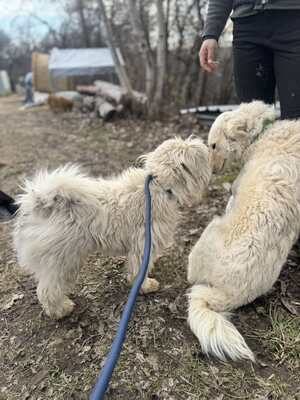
{"points": [[65, 215], [240, 255]]}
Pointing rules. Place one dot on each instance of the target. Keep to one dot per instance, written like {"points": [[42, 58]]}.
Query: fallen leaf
{"points": [[221, 397], [261, 363], [289, 306], [173, 308], [15, 297], [194, 231], [227, 186], [283, 288]]}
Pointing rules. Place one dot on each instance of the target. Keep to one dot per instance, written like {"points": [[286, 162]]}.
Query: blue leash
{"points": [[116, 347]]}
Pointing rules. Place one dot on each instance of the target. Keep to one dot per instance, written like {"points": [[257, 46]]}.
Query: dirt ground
{"points": [[161, 359]]}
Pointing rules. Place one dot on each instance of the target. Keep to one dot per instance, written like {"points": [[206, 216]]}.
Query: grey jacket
{"points": [[219, 11]]}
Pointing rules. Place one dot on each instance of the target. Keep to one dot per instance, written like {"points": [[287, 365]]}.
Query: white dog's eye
{"points": [[169, 193], [213, 146]]}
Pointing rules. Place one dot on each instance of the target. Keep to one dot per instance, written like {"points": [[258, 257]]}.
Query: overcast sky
{"points": [[16, 13]]}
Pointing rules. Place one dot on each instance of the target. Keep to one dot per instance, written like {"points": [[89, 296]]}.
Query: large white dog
{"points": [[240, 255], [65, 215]]}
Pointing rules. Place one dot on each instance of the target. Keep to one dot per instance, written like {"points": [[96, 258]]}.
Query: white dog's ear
{"points": [[269, 115], [193, 136], [236, 129], [141, 161], [257, 112]]}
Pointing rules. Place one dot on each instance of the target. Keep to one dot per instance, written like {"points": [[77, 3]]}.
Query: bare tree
{"points": [[83, 23], [122, 74], [161, 57], [144, 48]]}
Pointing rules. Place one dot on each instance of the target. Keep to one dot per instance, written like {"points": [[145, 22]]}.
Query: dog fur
{"points": [[240, 255], [65, 215]]}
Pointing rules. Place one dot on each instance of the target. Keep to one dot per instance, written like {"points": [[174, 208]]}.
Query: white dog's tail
{"points": [[58, 189], [216, 334]]}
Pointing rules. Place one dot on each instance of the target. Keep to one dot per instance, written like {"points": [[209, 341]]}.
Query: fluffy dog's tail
{"points": [[56, 190], [216, 334], [8, 207]]}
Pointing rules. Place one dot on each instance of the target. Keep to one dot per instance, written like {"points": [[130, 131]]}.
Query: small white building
{"points": [[80, 62]]}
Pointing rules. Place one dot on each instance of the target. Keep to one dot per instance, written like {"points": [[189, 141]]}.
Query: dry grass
{"points": [[283, 337]]}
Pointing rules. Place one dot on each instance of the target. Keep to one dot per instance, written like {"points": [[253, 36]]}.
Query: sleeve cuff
{"points": [[204, 37]]}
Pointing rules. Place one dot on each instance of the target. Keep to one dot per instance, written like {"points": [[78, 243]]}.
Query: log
{"points": [[87, 89], [117, 94], [88, 103], [105, 109], [111, 92]]}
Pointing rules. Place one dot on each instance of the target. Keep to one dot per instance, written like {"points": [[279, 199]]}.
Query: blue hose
{"points": [[116, 347]]}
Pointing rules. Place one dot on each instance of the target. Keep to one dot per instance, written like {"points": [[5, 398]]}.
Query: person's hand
{"points": [[207, 55]]}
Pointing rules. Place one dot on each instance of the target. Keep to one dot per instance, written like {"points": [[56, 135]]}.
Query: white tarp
{"points": [[78, 62], [5, 87]]}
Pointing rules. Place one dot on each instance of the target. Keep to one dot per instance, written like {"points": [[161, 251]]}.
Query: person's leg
{"points": [[286, 42], [30, 94], [253, 62], [25, 101]]}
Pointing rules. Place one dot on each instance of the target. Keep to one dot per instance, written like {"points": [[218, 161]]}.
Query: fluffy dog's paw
{"points": [[62, 310], [150, 285]]}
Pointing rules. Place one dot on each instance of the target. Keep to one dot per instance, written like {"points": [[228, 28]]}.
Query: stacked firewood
{"points": [[109, 100]]}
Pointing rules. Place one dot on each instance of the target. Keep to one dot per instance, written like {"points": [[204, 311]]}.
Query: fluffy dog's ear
{"points": [[236, 128], [193, 136], [140, 161], [256, 115]]}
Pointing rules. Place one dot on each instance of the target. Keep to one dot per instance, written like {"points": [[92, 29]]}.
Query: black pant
{"points": [[266, 54]]}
